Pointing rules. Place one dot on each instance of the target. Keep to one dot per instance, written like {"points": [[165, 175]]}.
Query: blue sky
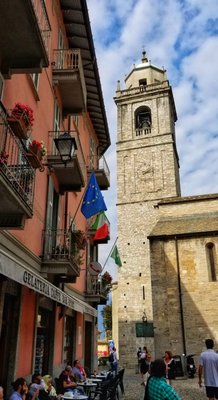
{"points": [[182, 36]]}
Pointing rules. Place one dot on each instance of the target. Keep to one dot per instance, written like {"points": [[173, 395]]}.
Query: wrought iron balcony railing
{"points": [[99, 163], [14, 164], [59, 246], [73, 176], [96, 286]]}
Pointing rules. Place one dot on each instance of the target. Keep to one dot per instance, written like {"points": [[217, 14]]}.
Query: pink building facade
{"points": [[48, 293]]}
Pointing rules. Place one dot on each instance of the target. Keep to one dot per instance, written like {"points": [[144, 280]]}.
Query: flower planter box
{"points": [[35, 158], [19, 124]]}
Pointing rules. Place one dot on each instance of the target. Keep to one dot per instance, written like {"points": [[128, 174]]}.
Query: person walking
{"points": [[115, 360], [139, 352], [170, 366], [143, 364], [147, 369], [157, 387], [208, 366]]}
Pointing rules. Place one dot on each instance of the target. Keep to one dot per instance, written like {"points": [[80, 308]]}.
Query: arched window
{"points": [[143, 118], [210, 251]]}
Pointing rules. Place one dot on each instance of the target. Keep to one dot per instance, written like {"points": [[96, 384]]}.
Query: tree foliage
{"points": [[106, 313]]}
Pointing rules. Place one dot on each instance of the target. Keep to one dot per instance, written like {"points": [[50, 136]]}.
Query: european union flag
{"points": [[93, 201]]}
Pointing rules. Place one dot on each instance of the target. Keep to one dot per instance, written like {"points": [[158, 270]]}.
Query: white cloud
{"points": [[181, 35]]}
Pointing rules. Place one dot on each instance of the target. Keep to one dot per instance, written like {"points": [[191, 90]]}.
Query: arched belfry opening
{"points": [[143, 117]]}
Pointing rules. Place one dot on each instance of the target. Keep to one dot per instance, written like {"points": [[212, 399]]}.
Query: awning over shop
{"points": [[12, 269]]}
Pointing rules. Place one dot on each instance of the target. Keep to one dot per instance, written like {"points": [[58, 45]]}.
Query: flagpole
{"points": [[73, 219], [109, 254]]}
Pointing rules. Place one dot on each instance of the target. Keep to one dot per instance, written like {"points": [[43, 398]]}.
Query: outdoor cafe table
{"points": [[75, 397], [101, 377], [87, 385]]}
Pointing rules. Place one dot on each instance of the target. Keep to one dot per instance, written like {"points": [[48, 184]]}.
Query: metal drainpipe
{"points": [[180, 297], [66, 193], [65, 211]]}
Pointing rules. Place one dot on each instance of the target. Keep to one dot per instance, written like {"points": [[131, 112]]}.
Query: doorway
{"points": [[10, 298], [44, 342], [88, 345], [69, 340]]}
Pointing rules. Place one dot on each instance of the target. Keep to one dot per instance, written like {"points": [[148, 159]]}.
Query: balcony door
{"points": [[51, 219]]}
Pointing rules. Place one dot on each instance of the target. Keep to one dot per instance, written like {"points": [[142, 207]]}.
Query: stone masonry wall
{"points": [[198, 293], [147, 171]]}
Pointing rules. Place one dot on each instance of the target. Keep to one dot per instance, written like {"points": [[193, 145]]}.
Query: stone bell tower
{"points": [[147, 171]]}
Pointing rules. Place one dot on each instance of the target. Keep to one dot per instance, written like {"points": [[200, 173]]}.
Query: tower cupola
{"points": [[145, 73]]}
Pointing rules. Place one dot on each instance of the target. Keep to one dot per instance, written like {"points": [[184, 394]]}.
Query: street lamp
{"points": [[66, 146], [144, 317]]}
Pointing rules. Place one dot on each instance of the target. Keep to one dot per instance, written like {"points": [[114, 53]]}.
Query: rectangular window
{"points": [[92, 160], [76, 120], [142, 82], [57, 117], [57, 124], [35, 79], [211, 261]]}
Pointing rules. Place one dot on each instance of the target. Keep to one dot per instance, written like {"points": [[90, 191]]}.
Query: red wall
{"points": [[58, 339], [26, 333]]}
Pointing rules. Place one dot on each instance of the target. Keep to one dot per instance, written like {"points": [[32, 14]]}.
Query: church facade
{"points": [[165, 297]]}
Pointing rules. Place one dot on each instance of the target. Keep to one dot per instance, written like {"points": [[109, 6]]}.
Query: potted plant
{"points": [[3, 158], [106, 278], [21, 120], [36, 151], [79, 238]]}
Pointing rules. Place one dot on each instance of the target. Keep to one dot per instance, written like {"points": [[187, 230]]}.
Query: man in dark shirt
{"points": [[67, 380]]}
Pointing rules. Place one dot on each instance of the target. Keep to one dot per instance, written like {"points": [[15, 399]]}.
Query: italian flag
{"points": [[101, 227]]}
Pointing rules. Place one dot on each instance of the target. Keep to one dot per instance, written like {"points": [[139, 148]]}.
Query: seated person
{"points": [[78, 371], [1, 393], [37, 383], [49, 391], [68, 381], [21, 390]]}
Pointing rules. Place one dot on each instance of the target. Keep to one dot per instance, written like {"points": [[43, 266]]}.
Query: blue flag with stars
{"points": [[93, 201]]}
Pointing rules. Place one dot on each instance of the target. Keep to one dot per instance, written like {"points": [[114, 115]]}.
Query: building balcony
{"points": [[69, 177], [17, 179], [96, 290], [101, 169], [61, 257], [96, 237], [24, 37], [68, 75]]}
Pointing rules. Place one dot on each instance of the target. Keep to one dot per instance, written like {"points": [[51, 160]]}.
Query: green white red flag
{"points": [[101, 227]]}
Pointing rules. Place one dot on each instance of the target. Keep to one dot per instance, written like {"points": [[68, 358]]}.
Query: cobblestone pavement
{"points": [[187, 389]]}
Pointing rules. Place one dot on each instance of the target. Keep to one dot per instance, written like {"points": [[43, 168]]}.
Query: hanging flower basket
{"points": [[35, 153], [21, 120]]}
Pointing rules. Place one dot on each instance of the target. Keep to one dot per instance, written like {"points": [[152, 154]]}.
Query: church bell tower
{"points": [[147, 172]]}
